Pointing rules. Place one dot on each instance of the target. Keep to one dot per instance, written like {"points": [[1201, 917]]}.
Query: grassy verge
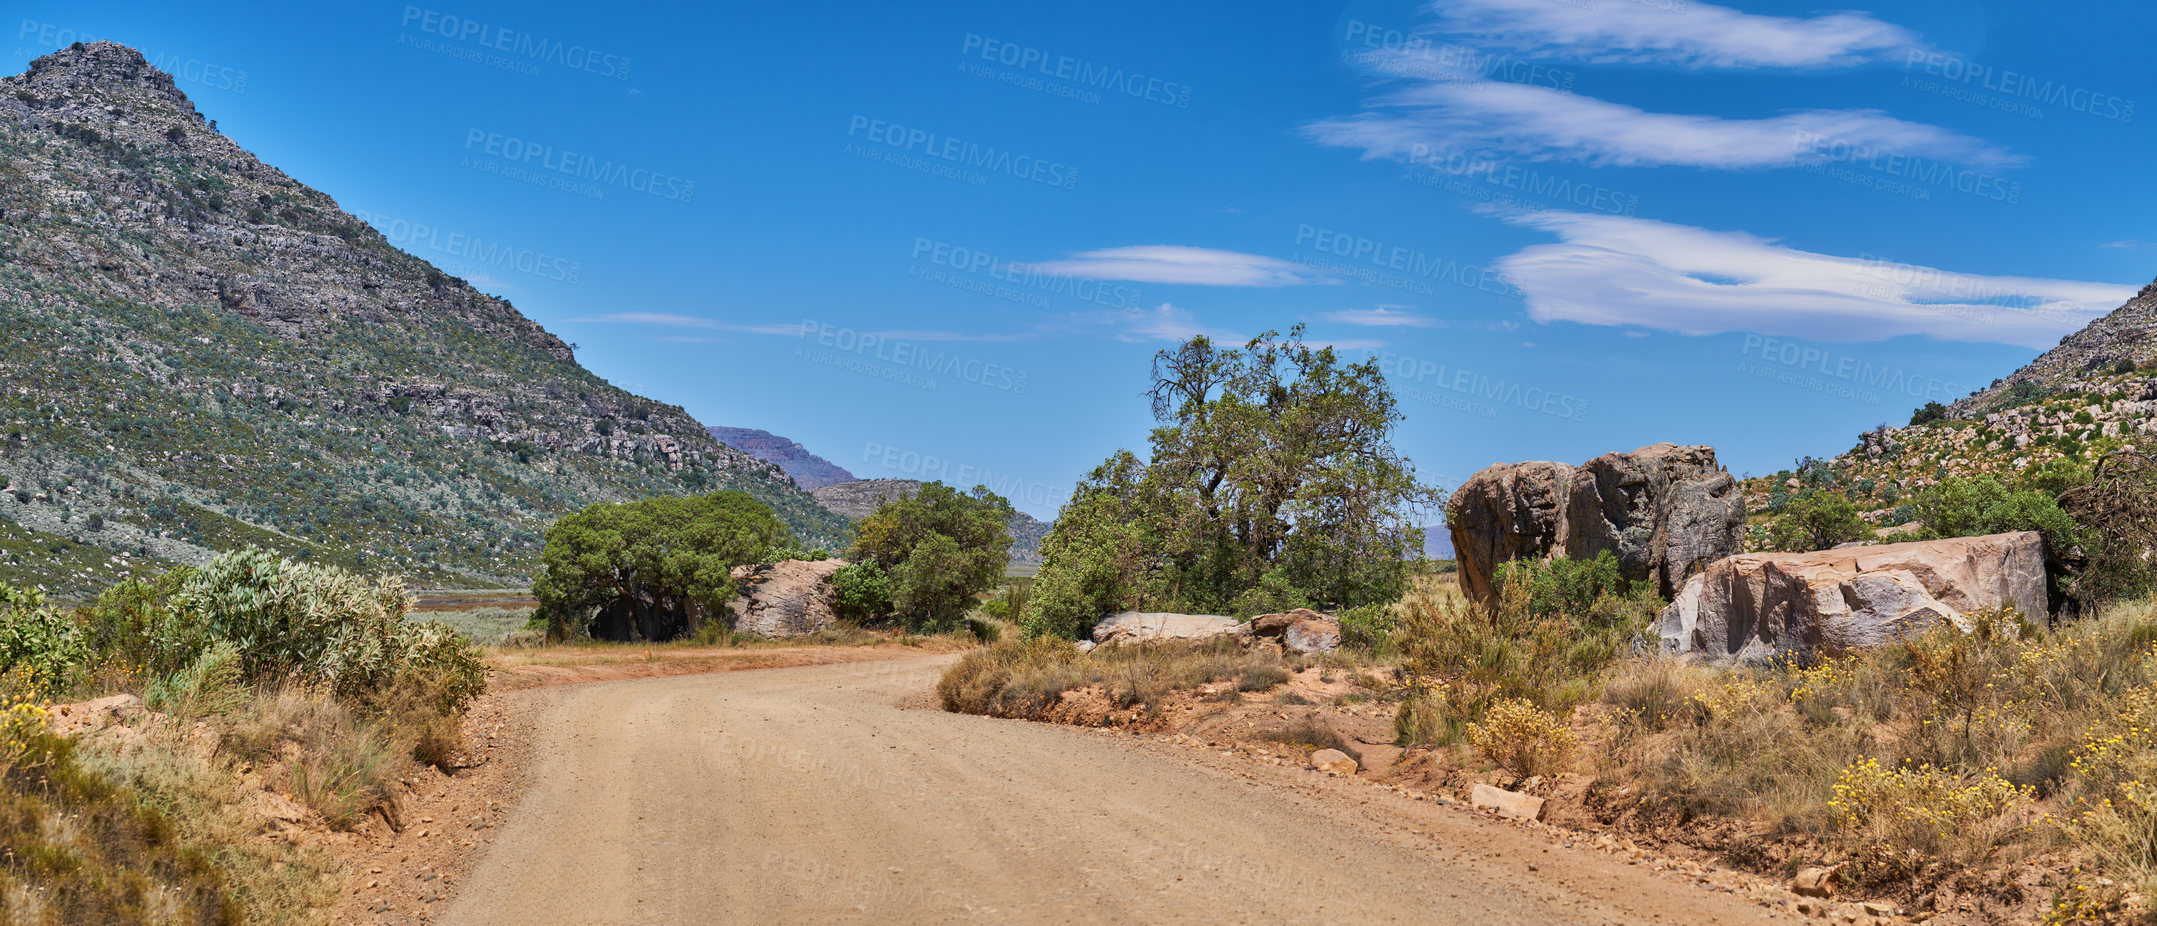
{"points": [[1028, 678]]}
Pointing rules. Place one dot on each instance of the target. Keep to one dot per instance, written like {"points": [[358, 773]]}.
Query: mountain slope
{"points": [[859, 498], [809, 470], [203, 352], [2095, 392]]}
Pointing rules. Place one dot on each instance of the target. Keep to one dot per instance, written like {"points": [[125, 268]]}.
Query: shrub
{"points": [[1524, 739], [1549, 636], [89, 849], [861, 592], [1928, 413], [1899, 822], [319, 623], [1028, 678], [1970, 506], [39, 646], [2117, 510], [212, 685], [1369, 628], [1817, 519]]}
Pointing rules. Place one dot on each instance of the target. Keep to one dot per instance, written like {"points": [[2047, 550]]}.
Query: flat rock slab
{"points": [[1756, 608], [1133, 626], [1511, 804]]}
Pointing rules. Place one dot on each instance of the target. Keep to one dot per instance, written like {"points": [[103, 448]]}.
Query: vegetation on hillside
{"points": [[204, 354], [1272, 484]]}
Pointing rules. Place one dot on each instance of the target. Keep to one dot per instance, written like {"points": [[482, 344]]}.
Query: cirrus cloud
{"points": [[1170, 263], [1615, 270], [1696, 35]]}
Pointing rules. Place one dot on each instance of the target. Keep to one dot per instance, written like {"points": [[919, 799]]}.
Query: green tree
{"points": [[1816, 520], [1272, 482], [1971, 506], [940, 547], [1928, 413], [654, 569]]}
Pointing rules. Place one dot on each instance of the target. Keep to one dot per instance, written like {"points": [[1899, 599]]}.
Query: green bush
{"points": [[39, 646], [861, 592], [1816, 520], [1928, 413], [1971, 506], [1369, 628]]}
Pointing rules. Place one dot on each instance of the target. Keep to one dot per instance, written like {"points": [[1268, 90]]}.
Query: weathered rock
{"points": [[1757, 607], [784, 599], [1665, 511], [1507, 803], [1299, 631], [1814, 882], [1133, 626], [1319, 636], [1506, 512], [1333, 760]]}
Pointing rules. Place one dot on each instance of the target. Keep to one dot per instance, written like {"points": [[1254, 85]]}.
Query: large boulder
{"points": [[1134, 626], [784, 599], [1665, 511], [1759, 607], [1299, 631]]}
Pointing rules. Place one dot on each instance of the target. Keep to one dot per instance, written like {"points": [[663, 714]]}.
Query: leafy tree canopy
{"points": [[1272, 483], [939, 548], [653, 569]]}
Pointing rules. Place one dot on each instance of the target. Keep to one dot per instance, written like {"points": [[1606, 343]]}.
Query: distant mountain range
{"points": [[809, 470], [202, 352]]}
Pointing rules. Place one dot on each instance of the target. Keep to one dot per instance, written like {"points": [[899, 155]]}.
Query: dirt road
{"points": [[808, 796]]}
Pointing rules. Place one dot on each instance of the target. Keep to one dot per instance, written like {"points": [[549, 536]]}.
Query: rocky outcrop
{"points": [[1665, 511], [1759, 607], [784, 599], [1299, 631], [1135, 626]]}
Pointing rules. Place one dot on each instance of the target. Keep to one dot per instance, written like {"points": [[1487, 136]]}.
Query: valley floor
{"points": [[837, 793]]}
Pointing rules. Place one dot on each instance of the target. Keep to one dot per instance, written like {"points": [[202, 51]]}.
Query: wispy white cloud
{"points": [[1698, 35], [1168, 263], [1453, 122], [1613, 270], [1384, 316]]}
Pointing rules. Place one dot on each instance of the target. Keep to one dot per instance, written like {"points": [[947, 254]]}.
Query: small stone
{"points": [[1814, 882], [1333, 761], [1511, 804]]}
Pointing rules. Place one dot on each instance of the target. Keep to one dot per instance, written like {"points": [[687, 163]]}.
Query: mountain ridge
{"points": [[207, 353], [809, 470]]}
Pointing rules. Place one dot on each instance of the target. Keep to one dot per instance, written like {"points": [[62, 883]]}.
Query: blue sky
{"points": [[944, 241]]}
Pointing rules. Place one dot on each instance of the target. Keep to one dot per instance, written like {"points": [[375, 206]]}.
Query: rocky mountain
{"points": [[203, 352], [2095, 392], [859, 498], [809, 470]]}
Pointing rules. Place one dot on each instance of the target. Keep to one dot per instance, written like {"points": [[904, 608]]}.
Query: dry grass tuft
{"points": [[1027, 678]]}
